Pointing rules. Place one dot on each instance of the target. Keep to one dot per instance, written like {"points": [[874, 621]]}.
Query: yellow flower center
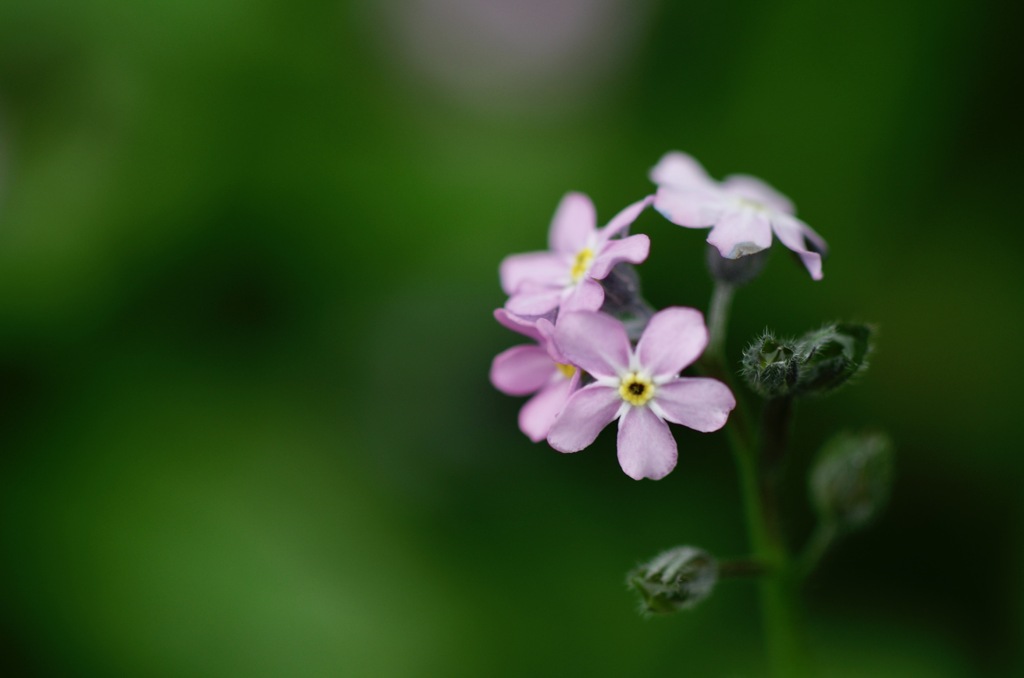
{"points": [[566, 370], [636, 389], [581, 263]]}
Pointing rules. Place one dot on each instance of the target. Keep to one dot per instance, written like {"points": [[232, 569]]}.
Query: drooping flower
{"points": [[537, 369], [580, 254], [742, 211], [641, 388]]}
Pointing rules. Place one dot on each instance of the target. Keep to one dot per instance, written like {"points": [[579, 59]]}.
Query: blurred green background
{"points": [[248, 257]]}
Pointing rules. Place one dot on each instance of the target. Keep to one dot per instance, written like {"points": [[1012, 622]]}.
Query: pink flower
{"points": [[641, 388], [743, 211], [580, 254], [534, 368]]}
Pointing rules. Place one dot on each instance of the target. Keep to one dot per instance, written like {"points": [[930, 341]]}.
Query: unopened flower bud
{"points": [[851, 479], [675, 580], [737, 271], [830, 356], [623, 300], [770, 366]]}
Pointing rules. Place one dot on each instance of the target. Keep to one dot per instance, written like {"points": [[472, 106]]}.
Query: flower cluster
{"points": [[582, 370], [600, 353]]}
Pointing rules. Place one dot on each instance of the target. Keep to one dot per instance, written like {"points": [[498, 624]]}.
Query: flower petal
{"points": [[673, 339], [633, 249], [585, 414], [753, 189], [646, 446], [679, 170], [595, 342], [537, 267], [534, 302], [626, 217], [522, 369], [586, 295], [692, 207], [546, 330], [574, 221], [539, 413], [741, 231], [794, 234], [695, 402], [525, 326]]}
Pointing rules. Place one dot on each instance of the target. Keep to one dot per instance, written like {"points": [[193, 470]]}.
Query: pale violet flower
{"points": [[565, 277], [537, 369], [742, 211], [641, 388]]}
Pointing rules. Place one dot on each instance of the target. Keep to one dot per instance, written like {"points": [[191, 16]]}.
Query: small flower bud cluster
{"points": [[770, 366], [815, 364], [832, 355], [675, 580]]}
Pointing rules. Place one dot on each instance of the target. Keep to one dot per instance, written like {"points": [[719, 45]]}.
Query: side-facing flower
{"points": [[537, 369], [742, 211], [580, 254], [641, 388]]}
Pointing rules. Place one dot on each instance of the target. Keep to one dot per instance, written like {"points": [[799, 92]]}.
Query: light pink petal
{"points": [[546, 330], [522, 369], [575, 220], [753, 189], [536, 267], [679, 170], [594, 341], [586, 295], [540, 411], [695, 402], [792, 233], [740, 232], [673, 339], [633, 249], [525, 326], [693, 208], [816, 242], [624, 218], [646, 446], [585, 414], [533, 302]]}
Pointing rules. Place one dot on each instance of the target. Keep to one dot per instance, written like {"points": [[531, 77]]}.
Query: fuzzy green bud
{"points": [[770, 366], [674, 580], [829, 357], [851, 479], [815, 364]]}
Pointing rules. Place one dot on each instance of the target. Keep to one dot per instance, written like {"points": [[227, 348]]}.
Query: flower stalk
{"points": [[718, 320], [777, 588]]}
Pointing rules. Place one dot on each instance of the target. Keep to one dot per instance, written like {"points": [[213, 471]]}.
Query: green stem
{"points": [[816, 548], [778, 587], [718, 319]]}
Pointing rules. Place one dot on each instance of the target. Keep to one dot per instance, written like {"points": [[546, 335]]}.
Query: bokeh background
{"points": [[248, 259]]}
